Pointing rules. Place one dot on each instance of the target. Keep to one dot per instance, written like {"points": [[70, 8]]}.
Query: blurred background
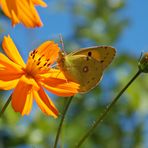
{"points": [[119, 23]]}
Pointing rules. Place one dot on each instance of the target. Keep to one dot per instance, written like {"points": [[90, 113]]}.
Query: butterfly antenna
{"points": [[54, 65], [62, 43]]}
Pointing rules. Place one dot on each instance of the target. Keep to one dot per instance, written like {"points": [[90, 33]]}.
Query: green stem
{"points": [[101, 118], [62, 120], [5, 106]]}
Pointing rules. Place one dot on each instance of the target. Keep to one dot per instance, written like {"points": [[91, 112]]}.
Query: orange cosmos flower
{"points": [[28, 79], [22, 11]]}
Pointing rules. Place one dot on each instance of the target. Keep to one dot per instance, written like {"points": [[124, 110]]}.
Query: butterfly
{"points": [[86, 65]]}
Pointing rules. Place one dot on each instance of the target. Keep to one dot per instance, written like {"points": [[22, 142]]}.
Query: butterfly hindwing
{"points": [[83, 70]]}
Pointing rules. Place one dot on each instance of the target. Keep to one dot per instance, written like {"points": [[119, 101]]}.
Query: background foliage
{"points": [[93, 22]]}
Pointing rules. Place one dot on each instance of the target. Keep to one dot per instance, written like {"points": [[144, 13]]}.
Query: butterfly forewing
{"points": [[103, 54]]}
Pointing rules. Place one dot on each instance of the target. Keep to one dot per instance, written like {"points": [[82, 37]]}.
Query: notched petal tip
{"points": [[11, 51], [40, 2], [50, 50]]}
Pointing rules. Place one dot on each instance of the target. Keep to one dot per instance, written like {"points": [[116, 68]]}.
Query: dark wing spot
{"points": [[89, 53], [85, 69], [102, 61]]}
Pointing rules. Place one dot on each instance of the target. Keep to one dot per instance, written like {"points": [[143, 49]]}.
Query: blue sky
{"points": [[133, 39], [135, 36]]}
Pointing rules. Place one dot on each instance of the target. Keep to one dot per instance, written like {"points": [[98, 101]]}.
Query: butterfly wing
{"points": [[103, 54], [85, 66], [81, 69]]}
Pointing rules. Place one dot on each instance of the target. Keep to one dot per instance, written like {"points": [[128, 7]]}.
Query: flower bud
{"points": [[143, 63]]}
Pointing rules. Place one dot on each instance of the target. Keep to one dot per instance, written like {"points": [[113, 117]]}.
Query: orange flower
{"points": [[22, 11], [28, 79]]}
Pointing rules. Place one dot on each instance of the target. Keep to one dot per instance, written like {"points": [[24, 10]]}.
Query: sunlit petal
{"points": [[7, 62], [22, 98], [40, 59], [53, 73], [30, 81], [9, 75], [11, 51], [8, 69], [39, 2], [28, 104], [50, 50], [28, 14], [56, 83], [7, 85], [6, 7], [22, 11], [60, 87], [45, 103]]}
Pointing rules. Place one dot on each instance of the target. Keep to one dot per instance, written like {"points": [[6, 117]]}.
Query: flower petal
{"points": [[22, 11], [4, 61], [52, 73], [58, 84], [22, 98], [61, 87], [6, 7], [30, 81], [7, 85], [14, 18], [39, 2], [11, 51], [45, 103], [8, 69], [7, 75], [50, 50], [28, 14]]}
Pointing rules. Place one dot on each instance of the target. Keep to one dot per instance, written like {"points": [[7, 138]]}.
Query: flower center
{"points": [[37, 64]]}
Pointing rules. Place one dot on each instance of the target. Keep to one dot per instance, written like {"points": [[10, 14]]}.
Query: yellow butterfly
{"points": [[85, 66]]}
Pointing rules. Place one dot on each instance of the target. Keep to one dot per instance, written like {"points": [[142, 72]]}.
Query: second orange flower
{"points": [[22, 11]]}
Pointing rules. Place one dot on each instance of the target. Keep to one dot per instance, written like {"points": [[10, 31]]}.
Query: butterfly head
{"points": [[61, 59]]}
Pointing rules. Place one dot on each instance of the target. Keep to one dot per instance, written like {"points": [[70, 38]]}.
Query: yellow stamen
{"points": [[37, 64]]}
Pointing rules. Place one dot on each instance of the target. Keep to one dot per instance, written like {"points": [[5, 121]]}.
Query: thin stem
{"points": [[101, 118], [5, 106], [62, 120]]}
